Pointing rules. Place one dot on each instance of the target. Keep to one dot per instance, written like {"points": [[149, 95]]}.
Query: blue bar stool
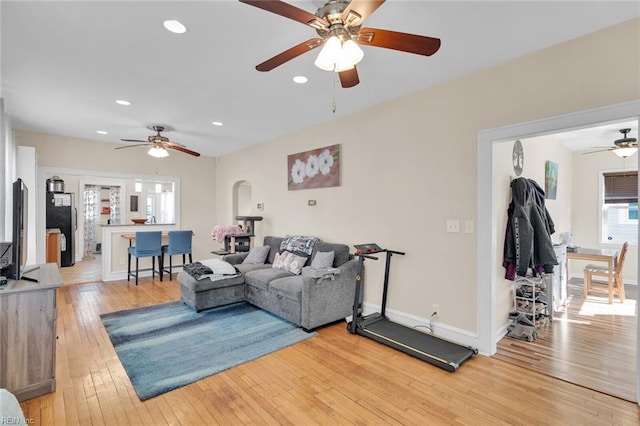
{"points": [[148, 244], [179, 243]]}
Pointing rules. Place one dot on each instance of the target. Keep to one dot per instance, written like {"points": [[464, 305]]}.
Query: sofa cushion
{"points": [[341, 252], [323, 259], [262, 277], [243, 268], [289, 262], [257, 255], [289, 287], [274, 244]]}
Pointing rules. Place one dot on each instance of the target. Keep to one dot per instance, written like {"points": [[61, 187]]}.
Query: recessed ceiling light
{"points": [[175, 26], [101, 132], [300, 79], [217, 123], [123, 102]]}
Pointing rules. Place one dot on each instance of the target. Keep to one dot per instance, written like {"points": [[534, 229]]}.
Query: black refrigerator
{"points": [[61, 214]]}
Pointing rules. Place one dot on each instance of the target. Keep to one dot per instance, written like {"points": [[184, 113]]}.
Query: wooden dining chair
{"points": [[617, 286]]}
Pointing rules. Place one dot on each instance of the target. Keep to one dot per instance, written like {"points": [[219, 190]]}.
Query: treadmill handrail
{"points": [[395, 252]]}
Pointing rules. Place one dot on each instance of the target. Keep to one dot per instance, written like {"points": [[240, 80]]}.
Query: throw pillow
{"points": [[278, 260], [289, 262], [322, 260], [257, 255]]}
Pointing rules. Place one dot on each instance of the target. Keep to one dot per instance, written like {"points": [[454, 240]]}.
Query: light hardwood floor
{"points": [[592, 344], [334, 378], [83, 271]]}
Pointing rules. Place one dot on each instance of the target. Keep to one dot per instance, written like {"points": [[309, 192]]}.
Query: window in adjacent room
{"points": [[619, 206]]}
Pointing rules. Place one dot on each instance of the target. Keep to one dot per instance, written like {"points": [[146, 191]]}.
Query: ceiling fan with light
{"points": [[159, 143], [623, 147], [339, 25]]}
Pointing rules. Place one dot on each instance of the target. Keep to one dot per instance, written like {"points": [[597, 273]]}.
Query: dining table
{"points": [[608, 256]]}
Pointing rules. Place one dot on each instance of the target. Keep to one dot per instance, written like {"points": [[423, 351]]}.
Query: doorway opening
{"points": [[489, 246]]}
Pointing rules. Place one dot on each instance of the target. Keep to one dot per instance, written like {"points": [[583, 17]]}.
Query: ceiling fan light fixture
{"points": [[174, 26], [158, 152], [337, 55], [625, 152], [327, 57], [350, 55]]}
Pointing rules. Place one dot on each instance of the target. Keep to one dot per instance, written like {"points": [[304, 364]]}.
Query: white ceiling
{"points": [[65, 63], [599, 136]]}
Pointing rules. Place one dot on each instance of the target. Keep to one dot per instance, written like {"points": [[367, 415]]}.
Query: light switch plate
{"points": [[453, 225]]}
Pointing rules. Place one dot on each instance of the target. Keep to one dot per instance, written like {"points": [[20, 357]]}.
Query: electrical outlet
{"points": [[435, 309], [468, 227], [453, 225]]}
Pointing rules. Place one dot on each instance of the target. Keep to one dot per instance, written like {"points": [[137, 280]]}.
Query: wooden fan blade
{"points": [[359, 10], [183, 149], [131, 146], [410, 43], [133, 140], [288, 11], [349, 78], [289, 54], [599, 150]]}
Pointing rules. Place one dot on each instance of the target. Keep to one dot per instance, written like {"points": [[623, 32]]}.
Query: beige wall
{"points": [[197, 175], [410, 164]]}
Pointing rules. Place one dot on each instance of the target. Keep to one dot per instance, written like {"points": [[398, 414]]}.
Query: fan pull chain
{"points": [[333, 105]]}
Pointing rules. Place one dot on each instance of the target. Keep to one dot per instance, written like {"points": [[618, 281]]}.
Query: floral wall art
{"points": [[317, 168]]}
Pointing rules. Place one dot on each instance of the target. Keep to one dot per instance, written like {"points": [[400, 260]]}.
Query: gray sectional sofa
{"points": [[302, 299]]}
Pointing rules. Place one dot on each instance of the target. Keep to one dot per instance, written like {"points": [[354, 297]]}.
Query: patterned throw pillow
{"points": [[289, 262]]}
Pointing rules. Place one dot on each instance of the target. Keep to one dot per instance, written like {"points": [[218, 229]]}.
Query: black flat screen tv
{"points": [[19, 235]]}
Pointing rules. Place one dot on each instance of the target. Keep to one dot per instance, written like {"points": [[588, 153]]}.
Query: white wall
{"points": [[26, 170], [411, 164]]}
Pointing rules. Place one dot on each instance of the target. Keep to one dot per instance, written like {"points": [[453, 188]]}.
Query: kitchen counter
{"points": [[135, 224], [114, 247]]}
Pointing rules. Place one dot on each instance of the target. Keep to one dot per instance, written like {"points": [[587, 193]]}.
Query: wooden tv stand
{"points": [[28, 316]]}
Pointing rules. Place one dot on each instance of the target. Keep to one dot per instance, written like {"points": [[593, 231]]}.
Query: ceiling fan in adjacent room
{"points": [[159, 144], [339, 25], [623, 147]]}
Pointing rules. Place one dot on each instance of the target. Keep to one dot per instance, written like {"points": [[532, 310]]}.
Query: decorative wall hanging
{"points": [[550, 180], [317, 168], [518, 157]]}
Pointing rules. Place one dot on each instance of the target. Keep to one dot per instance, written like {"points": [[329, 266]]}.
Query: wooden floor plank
{"points": [[590, 343], [333, 378]]}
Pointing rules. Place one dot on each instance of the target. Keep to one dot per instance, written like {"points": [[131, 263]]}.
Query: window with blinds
{"points": [[620, 187], [619, 207]]}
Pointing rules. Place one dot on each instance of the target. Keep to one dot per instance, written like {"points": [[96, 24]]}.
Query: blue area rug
{"points": [[164, 347]]}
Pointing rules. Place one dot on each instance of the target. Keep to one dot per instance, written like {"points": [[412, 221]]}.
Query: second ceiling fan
{"points": [[159, 144], [339, 25]]}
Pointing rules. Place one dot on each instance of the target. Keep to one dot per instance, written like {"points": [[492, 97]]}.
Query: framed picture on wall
{"points": [[317, 168], [550, 180], [133, 203]]}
